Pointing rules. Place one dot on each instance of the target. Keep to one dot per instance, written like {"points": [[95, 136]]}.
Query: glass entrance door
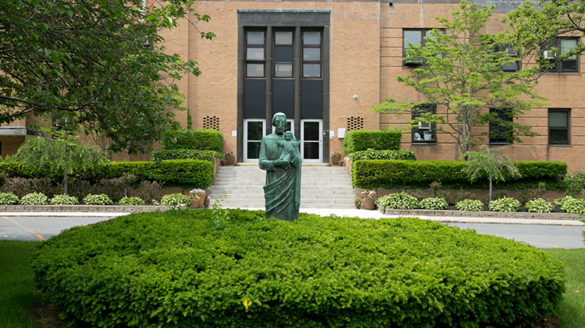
{"points": [[254, 130], [312, 141]]}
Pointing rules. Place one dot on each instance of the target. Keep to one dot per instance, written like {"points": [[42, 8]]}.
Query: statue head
{"points": [[279, 122]]}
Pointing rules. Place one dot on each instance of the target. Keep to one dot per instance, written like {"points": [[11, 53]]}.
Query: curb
{"points": [[81, 210], [488, 214]]}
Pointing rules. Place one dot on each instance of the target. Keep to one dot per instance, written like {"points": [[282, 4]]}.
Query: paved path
{"points": [[539, 233]]}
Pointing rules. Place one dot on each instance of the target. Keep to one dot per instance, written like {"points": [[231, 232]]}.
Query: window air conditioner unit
{"points": [[511, 52], [424, 126], [413, 61], [548, 54]]}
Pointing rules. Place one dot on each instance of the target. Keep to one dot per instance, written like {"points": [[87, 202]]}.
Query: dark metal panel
{"points": [[254, 98], [279, 18], [311, 99], [283, 97]]}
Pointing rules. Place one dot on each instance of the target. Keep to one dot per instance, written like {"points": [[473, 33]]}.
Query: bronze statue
{"points": [[279, 156]]}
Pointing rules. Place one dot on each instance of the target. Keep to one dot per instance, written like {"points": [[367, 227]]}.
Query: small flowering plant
{"points": [[228, 154], [196, 193], [369, 194], [337, 154]]}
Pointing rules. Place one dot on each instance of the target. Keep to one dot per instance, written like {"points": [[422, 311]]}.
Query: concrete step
{"points": [[321, 187]]}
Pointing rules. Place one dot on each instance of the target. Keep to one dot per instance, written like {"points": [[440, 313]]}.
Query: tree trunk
{"points": [[490, 193], [65, 182]]}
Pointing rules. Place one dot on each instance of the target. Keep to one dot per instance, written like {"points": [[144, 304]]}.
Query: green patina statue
{"points": [[279, 156]]}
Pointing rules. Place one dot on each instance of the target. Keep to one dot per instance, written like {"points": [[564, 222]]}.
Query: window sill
{"points": [[421, 143], [559, 145]]}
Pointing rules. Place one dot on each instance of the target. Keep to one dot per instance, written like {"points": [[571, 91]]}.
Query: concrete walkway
{"points": [[341, 213]]}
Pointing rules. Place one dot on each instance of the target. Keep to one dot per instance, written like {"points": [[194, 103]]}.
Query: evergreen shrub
{"points": [[193, 139], [357, 140], [402, 154], [174, 269], [370, 174], [194, 173], [203, 155]]}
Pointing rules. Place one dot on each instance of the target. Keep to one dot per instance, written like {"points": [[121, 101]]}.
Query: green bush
{"points": [[35, 198], [434, 203], [193, 173], [398, 201], [203, 155], [571, 205], [8, 198], [64, 200], [505, 204], [174, 200], [174, 269], [370, 174], [402, 154], [193, 139], [131, 201], [469, 205], [100, 199], [539, 205], [357, 140]]}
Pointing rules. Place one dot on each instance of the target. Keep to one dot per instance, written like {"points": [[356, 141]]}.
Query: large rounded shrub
{"points": [[174, 269]]}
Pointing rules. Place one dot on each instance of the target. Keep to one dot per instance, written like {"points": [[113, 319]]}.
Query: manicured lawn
{"points": [[571, 311], [17, 290], [18, 294]]}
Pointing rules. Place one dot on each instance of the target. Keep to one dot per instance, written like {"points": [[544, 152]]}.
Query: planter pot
{"points": [[335, 161], [228, 160], [198, 202], [368, 204]]}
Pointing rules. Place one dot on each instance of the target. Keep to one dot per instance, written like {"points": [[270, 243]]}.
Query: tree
{"points": [[462, 73], [64, 155], [96, 64], [535, 23], [491, 163]]}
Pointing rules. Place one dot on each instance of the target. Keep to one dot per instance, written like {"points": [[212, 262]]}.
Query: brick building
{"points": [[325, 63]]}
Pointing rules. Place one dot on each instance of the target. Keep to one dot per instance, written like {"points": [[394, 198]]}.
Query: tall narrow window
{"points": [[255, 50], [283, 54], [501, 126], [311, 54], [423, 132], [562, 46], [558, 126]]}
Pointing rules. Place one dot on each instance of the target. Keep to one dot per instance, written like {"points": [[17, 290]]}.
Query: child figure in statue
{"points": [[289, 148]]}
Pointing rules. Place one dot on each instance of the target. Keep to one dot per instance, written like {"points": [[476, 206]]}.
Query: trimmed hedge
{"points": [[203, 155], [193, 139], [362, 140], [174, 269], [369, 174], [402, 154], [193, 173]]}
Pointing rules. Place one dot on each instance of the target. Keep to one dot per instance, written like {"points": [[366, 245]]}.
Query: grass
{"points": [[571, 312], [18, 293]]}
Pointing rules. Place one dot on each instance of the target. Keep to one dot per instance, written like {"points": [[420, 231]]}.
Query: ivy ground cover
{"points": [[177, 269]]}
